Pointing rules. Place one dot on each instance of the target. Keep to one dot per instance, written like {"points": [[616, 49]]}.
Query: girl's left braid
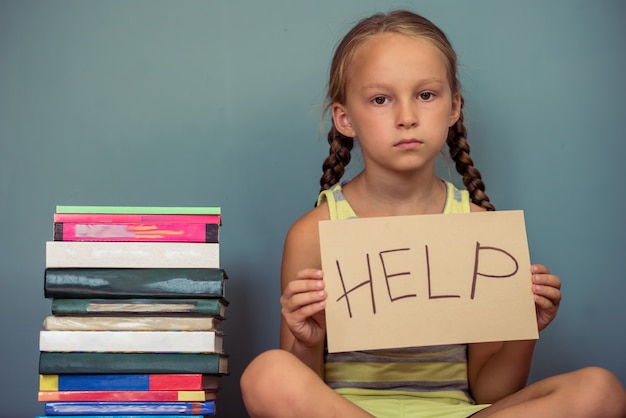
{"points": [[338, 158], [460, 153]]}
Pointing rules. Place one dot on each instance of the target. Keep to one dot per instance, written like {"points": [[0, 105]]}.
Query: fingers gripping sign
{"points": [[547, 292], [303, 302]]}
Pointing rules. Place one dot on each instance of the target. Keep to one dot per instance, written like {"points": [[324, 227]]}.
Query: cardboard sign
{"points": [[407, 281]]}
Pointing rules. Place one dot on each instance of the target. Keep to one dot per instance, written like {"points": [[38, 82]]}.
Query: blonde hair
{"points": [[410, 24]]}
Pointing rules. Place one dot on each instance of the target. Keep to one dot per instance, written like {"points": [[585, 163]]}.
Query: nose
{"points": [[406, 116]]}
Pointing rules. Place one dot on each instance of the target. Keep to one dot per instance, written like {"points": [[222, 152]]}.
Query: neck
{"points": [[378, 196]]}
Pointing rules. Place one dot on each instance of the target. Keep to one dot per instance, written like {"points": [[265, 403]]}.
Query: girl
{"points": [[393, 86]]}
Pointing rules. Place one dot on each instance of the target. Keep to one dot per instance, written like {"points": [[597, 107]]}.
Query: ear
{"points": [[455, 112], [342, 120]]}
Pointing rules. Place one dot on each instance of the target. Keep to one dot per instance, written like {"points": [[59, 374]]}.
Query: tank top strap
{"points": [[457, 201], [338, 206]]}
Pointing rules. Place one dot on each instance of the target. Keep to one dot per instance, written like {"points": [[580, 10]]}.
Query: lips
{"points": [[408, 143]]}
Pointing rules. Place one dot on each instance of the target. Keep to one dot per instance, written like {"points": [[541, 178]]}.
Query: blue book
{"points": [[126, 382], [120, 408], [95, 382]]}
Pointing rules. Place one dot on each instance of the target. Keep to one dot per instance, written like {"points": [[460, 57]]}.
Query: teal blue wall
{"points": [[217, 103]]}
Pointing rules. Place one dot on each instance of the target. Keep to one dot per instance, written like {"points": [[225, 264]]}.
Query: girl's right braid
{"points": [[338, 158], [459, 151]]}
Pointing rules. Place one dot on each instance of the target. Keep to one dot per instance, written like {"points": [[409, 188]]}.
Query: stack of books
{"points": [[138, 297]]}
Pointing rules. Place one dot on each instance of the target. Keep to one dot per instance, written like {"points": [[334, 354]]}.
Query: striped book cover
{"points": [[132, 382]]}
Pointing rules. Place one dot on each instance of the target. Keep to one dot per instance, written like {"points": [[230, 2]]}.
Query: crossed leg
{"points": [[277, 384], [588, 392]]}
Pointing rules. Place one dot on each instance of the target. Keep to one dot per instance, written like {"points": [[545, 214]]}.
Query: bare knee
{"points": [[271, 379], [600, 392], [256, 379], [260, 368]]}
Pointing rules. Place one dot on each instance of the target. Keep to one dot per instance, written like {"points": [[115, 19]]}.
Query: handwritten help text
{"points": [[389, 277]]}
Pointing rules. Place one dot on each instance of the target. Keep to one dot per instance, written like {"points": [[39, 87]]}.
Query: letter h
{"points": [[366, 282]]}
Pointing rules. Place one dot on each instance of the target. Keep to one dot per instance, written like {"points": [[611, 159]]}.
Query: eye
{"points": [[380, 100], [426, 95]]}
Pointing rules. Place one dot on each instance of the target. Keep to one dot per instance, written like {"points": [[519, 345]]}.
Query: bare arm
{"points": [[303, 323], [499, 369]]}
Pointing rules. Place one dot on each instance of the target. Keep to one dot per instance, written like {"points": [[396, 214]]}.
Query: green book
{"points": [[52, 362], [140, 307], [123, 283], [161, 210]]}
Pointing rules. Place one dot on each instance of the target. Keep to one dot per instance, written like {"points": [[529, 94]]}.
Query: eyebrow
{"points": [[378, 85]]}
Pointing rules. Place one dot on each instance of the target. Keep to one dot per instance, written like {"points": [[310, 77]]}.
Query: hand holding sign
{"points": [[427, 280], [303, 304]]}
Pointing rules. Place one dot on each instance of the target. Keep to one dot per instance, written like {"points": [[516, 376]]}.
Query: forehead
{"points": [[390, 55]]}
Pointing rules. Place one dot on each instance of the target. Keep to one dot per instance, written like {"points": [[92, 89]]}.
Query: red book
{"points": [[133, 396], [132, 232]]}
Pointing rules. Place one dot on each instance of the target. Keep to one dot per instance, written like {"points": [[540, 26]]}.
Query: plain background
{"points": [[218, 103]]}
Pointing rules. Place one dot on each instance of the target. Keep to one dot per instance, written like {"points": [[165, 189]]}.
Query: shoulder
{"points": [[308, 222], [302, 241], [475, 208]]}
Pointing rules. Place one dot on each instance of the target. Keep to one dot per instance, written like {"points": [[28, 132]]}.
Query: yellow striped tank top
{"points": [[429, 372]]}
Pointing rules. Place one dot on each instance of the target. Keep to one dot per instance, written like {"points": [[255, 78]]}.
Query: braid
{"points": [[459, 151], [338, 158]]}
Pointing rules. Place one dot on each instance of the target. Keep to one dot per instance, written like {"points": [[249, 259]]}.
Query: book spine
{"points": [[123, 283], [215, 307], [117, 408], [206, 382], [135, 218], [132, 323], [138, 232], [135, 363], [131, 341], [115, 396], [127, 382], [161, 210], [132, 254]]}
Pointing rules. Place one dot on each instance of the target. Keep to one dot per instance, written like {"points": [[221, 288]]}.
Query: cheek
{"points": [[367, 124], [447, 117], [442, 125]]}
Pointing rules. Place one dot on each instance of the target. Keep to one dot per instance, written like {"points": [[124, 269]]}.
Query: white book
{"points": [[131, 341], [130, 323], [132, 254]]}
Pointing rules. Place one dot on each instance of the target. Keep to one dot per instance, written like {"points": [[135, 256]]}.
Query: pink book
{"points": [[126, 232], [135, 218]]}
